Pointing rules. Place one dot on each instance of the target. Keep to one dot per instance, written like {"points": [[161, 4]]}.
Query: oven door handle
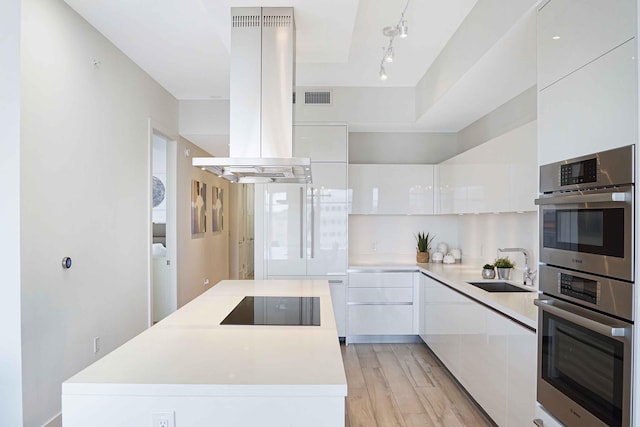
{"points": [[618, 197], [618, 329]]}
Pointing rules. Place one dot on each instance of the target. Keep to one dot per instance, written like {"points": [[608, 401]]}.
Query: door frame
{"points": [[156, 128]]}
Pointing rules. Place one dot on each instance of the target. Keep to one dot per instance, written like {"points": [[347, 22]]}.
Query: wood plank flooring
{"points": [[403, 385]]}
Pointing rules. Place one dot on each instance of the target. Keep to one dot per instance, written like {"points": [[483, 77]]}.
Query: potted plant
{"points": [[504, 266], [488, 271], [424, 244]]}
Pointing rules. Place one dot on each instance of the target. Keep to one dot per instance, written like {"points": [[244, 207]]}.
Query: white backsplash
{"points": [[391, 239], [482, 235]]}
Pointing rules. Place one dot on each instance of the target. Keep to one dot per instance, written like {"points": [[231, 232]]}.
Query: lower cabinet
{"points": [[493, 357], [381, 303]]}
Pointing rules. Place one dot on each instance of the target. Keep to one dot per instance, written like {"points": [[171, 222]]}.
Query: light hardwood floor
{"points": [[403, 385]]}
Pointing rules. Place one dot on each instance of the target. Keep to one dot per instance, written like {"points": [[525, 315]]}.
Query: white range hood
{"points": [[261, 107]]}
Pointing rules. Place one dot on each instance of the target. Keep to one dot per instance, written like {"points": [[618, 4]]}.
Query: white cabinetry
{"points": [[493, 357], [307, 224], [593, 109], [587, 77], [391, 189], [304, 226], [497, 176], [381, 303], [572, 34]]}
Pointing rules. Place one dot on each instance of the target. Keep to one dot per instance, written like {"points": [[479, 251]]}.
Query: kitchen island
{"points": [[194, 371]]}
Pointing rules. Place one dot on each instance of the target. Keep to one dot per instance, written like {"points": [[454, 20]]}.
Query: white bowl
{"points": [[448, 259], [437, 257]]}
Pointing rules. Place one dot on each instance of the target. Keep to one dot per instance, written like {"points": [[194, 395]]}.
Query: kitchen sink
{"points": [[498, 287]]}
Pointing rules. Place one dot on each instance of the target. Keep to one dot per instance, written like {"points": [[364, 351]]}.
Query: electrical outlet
{"points": [[163, 419], [205, 282], [96, 344]]}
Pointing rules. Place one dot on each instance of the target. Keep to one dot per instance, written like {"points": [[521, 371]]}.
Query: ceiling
{"points": [[184, 46]]}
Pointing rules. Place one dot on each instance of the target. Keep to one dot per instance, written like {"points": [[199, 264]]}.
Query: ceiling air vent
{"points": [[317, 98]]}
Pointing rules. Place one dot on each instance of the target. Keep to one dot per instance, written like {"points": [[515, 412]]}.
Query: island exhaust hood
{"points": [[261, 107]]}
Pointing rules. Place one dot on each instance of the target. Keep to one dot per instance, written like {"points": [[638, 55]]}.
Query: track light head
{"points": [[403, 29], [383, 73], [388, 54]]}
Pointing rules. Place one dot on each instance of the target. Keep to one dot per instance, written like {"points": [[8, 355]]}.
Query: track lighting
{"points": [[400, 30], [383, 73], [388, 53]]}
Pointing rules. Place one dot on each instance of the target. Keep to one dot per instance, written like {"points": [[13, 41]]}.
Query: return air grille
{"points": [[317, 98], [246, 21]]}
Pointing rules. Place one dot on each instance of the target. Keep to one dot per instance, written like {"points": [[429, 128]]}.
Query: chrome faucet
{"points": [[527, 274]]}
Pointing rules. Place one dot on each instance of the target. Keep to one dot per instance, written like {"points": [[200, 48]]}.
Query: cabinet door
{"points": [[571, 34], [321, 143], [374, 319], [327, 219], [392, 189], [286, 220], [522, 376], [593, 109]]}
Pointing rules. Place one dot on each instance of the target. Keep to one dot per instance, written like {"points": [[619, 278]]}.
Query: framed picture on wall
{"points": [[217, 209], [198, 207]]}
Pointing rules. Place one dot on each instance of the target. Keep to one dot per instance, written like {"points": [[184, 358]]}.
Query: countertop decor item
{"points": [[488, 271], [448, 259], [504, 266], [424, 244]]}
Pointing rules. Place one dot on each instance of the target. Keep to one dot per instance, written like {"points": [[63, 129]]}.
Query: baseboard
{"points": [[54, 422]]}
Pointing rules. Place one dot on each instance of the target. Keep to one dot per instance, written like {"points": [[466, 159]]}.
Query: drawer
{"points": [[384, 280], [380, 320], [384, 295]]}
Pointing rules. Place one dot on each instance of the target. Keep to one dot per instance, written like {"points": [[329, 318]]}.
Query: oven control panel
{"points": [[579, 287], [580, 172]]}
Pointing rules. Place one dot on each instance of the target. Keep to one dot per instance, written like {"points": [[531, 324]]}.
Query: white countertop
{"points": [[190, 353], [517, 305]]}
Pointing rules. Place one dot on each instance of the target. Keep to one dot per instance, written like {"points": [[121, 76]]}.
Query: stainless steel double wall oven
{"points": [[585, 315]]}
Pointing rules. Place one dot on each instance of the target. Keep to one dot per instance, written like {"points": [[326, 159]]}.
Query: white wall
{"points": [[10, 349], [201, 256], [85, 194], [206, 124]]}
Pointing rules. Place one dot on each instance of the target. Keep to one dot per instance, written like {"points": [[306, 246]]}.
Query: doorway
{"points": [[163, 292]]}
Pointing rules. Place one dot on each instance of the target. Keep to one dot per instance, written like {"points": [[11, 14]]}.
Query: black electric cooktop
{"points": [[280, 311]]}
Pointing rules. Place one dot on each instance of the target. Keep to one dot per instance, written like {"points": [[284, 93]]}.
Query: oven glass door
{"points": [[585, 366], [593, 231], [589, 231]]}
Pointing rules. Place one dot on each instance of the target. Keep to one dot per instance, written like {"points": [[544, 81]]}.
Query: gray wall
{"points": [[401, 147], [512, 114]]}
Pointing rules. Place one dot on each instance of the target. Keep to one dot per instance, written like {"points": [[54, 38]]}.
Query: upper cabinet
{"points": [[500, 175], [391, 189], [320, 142], [587, 77], [571, 34]]}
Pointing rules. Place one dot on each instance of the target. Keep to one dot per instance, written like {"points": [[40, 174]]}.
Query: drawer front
{"points": [[384, 280], [380, 319], [380, 295]]}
